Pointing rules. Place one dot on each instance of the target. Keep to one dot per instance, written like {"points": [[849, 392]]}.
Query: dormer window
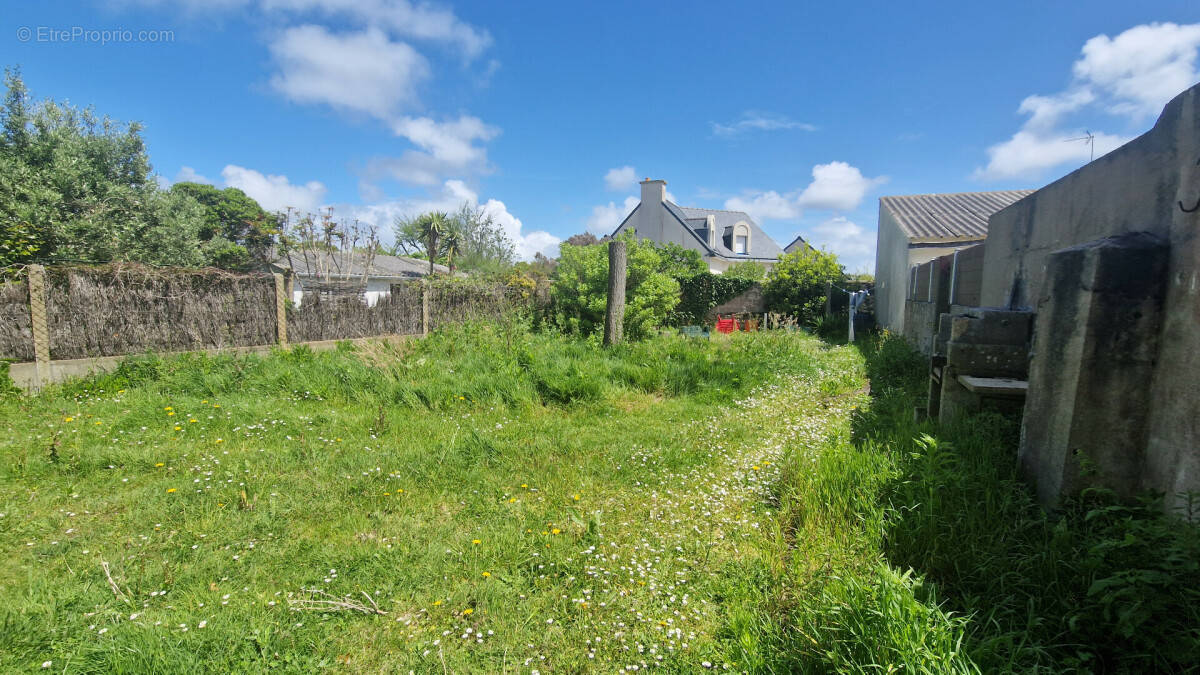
{"points": [[741, 239]]}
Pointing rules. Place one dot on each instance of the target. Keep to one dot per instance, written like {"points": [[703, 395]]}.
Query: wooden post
{"points": [[280, 310], [425, 307], [38, 319], [614, 318]]}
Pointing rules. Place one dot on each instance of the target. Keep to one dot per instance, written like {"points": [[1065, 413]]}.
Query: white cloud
{"points": [[620, 179], [527, 244], [606, 217], [364, 71], [757, 121], [1029, 153], [1132, 75], [422, 21], [1142, 68], [763, 206], [272, 192], [452, 142], [854, 245], [446, 149], [188, 175], [452, 195], [837, 185]]}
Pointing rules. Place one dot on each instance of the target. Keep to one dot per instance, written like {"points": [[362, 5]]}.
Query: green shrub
{"points": [[580, 289], [798, 283]]}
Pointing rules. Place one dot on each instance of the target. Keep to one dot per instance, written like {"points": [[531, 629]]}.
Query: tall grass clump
{"points": [[1101, 585]]}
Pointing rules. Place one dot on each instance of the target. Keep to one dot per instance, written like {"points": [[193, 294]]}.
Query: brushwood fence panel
{"points": [[458, 302], [125, 309], [119, 309], [331, 317], [16, 329]]}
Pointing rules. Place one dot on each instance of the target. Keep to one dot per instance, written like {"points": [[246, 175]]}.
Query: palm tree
{"points": [[425, 230], [452, 244]]}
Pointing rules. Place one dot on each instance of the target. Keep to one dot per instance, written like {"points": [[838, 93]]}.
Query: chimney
{"points": [[710, 223], [653, 192]]}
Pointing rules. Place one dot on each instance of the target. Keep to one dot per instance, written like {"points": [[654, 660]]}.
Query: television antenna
{"points": [[1088, 138]]}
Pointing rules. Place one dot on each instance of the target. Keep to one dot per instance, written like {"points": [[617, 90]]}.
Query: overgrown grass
{"points": [[513, 501], [516, 501], [932, 555]]}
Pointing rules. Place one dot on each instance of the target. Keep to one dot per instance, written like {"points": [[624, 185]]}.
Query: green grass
{"points": [[563, 507], [514, 501]]}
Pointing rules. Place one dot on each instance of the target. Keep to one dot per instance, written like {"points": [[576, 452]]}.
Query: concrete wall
{"points": [[891, 272], [1136, 188], [894, 258]]}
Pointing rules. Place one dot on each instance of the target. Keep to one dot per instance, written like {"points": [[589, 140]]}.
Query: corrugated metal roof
{"points": [[961, 216]]}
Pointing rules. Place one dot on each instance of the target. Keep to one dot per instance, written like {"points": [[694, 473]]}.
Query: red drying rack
{"points": [[726, 325]]}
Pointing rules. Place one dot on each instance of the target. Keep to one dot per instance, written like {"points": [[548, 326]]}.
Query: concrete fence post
{"points": [[425, 308], [38, 320], [614, 316], [280, 310]]}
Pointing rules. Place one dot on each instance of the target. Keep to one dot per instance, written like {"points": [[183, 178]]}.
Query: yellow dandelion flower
{"points": [[98, 422], [191, 421], [168, 408], [178, 428], [555, 531], [512, 500], [220, 504], [487, 574], [399, 490], [468, 611], [575, 497], [524, 485], [476, 541], [436, 603], [171, 414], [387, 494], [754, 467], [216, 405], [169, 490], [159, 464], [68, 419], [220, 440]]}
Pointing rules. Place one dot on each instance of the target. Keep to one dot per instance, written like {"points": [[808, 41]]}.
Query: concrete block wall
{"points": [[1150, 185]]}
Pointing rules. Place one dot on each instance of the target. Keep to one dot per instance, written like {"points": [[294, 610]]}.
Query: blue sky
{"points": [[545, 114]]}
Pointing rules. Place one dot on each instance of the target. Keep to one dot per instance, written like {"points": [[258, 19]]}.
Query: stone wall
{"points": [[749, 301]]}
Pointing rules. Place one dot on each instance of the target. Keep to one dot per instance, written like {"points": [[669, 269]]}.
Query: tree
{"points": [[482, 245], [680, 262], [235, 230], [580, 288], [797, 283], [76, 186], [581, 239], [748, 270], [423, 231]]}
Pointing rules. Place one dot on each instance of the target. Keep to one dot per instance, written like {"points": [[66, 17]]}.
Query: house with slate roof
{"points": [[372, 276], [721, 237], [914, 229]]}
